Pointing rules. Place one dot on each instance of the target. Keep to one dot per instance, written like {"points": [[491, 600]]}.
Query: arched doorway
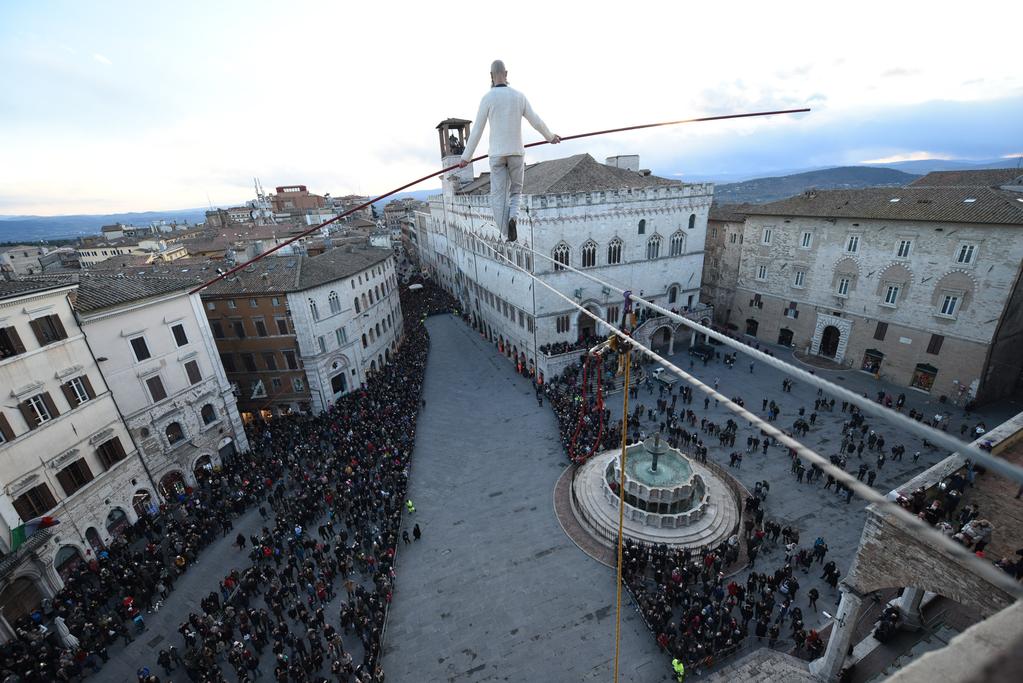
{"points": [[20, 598], [173, 484], [751, 327], [142, 502], [829, 341], [672, 294], [203, 467], [587, 325], [785, 336], [92, 536], [662, 340], [68, 557], [117, 522]]}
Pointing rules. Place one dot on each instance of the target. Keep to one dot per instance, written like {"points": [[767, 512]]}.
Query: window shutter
{"points": [[28, 414], [69, 394], [12, 335], [88, 386], [118, 448], [25, 508], [5, 428], [66, 482], [50, 405], [61, 332], [40, 337]]}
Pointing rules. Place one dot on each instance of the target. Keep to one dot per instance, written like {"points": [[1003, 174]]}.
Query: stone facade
{"points": [[721, 259], [871, 294]]}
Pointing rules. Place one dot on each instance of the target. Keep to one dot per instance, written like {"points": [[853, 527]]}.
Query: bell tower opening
{"points": [[453, 134]]}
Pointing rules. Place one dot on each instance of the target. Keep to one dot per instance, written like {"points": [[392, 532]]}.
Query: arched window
{"points": [[678, 243], [672, 294], [692, 221], [208, 414], [364, 305], [653, 247], [335, 302], [364, 343], [357, 309], [642, 226], [174, 433], [312, 309], [378, 329], [589, 254], [562, 256], [614, 252]]}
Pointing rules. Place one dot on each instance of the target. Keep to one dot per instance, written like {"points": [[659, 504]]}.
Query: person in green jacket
{"points": [[680, 670]]}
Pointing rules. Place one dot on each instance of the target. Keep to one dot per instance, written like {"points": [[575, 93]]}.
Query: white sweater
{"points": [[504, 108]]}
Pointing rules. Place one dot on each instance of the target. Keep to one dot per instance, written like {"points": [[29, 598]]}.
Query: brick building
{"points": [[295, 199], [919, 285]]}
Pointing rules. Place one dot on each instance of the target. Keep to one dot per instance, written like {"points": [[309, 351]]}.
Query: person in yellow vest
{"points": [[680, 670], [410, 506]]}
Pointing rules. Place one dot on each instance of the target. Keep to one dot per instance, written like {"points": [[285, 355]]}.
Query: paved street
{"points": [[495, 590]]}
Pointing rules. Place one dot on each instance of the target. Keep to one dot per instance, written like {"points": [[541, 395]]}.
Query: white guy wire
{"points": [[1001, 466], [983, 569]]}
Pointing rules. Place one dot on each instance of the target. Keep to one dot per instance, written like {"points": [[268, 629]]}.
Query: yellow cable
{"points": [[621, 503]]}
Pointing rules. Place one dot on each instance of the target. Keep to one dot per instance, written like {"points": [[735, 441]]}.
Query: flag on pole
{"points": [[22, 533]]}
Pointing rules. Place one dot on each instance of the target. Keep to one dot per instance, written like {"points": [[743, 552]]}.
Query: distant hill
{"points": [[421, 195], [762, 190], [33, 229]]}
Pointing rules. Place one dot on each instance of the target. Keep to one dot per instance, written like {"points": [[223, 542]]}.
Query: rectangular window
{"points": [[239, 329], [290, 360], [529, 323], [74, 476], [48, 329], [843, 286], [563, 324], [903, 249], [231, 303], [949, 304], [6, 433], [218, 329], [322, 343], [248, 362], [731, 238], [522, 319], [612, 314], [260, 327], [38, 409], [227, 360], [192, 370], [761, 272], [35, 502], [282, 326], [297, 384], [141, 349], [791, 311], [156, 390], [965, 254], [891, 295], [277, 302], [341, 336], [270, 361], [800, 278], [275, 382], [110, 452], [807, 240], [211, 305], [10, 343], [853, 245], [934, 345], [77, 392], [180, 338], [253, 303], [880, 331], [766, 237]]}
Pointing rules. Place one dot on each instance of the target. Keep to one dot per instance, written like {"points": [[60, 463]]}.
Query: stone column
{"points": [[828, 667], [909, 606], [671, 344]]}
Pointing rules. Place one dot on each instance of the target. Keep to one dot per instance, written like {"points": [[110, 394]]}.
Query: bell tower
{"points": [[453, 135]]}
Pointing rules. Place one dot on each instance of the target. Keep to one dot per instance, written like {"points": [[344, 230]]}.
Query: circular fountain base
{"points": [[596, 509]]}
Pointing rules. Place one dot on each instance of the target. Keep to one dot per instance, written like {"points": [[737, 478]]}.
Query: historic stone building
{"points": [[296, 332], [918, 285], [721, 258], [65, 451], [631, 228], [157, 353]]}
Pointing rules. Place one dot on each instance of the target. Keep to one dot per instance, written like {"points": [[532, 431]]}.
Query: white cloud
{"points": [[102, 59], [908, 156]]}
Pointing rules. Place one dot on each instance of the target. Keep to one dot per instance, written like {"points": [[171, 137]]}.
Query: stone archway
{"points": [[663, 340], [93, 537], [586, 325], [829, 341], [203, 467], [68, 557], [117, 522], [172, 484], [142, 502], [785, 336], [19, 599]]}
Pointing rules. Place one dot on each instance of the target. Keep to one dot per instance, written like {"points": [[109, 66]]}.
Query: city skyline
{"points": [[124, 109]]}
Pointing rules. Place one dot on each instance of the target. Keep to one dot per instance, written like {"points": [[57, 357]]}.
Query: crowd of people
{"points": [[330, 490]]}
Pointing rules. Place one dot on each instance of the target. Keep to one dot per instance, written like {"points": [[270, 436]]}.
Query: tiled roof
{"points": [[949, 204], [578, 173], [13, 288], [295, 273], [735, 213], [97, 292], [988, 177]]}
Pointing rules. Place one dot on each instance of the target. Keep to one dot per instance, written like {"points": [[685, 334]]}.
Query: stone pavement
{"points": [[495, 590]]}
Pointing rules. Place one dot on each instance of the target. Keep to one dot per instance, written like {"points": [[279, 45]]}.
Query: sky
{"points": [[123, 106]]}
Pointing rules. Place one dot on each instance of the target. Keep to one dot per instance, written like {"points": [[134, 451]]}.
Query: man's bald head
{"points": [[498, 74]]}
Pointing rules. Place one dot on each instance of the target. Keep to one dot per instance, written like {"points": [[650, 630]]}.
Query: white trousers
{"points": [[506, 173]]}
